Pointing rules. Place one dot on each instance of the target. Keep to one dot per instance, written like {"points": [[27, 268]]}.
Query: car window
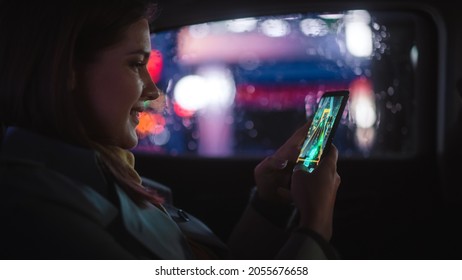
{"points": [[240, 87]]}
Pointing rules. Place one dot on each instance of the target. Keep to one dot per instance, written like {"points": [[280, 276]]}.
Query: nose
{"points": [[152, 93], [150, 89]]}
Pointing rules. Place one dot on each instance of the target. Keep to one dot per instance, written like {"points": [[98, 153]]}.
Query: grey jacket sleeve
{"points": [[305, 244], [261, 233]]}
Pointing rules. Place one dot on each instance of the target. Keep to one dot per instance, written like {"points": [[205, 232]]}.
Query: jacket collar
{"points": [[22, 144], [152, 227], [83, 185]]}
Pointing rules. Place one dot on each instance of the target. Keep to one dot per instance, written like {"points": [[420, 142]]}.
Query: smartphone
{"points": [[322, 129]]}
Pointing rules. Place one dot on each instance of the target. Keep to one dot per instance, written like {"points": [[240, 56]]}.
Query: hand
{"points": [[314, 194], [273, 174]]}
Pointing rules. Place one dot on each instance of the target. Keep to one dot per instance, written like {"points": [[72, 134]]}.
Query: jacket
{"points": [[58, 204]]}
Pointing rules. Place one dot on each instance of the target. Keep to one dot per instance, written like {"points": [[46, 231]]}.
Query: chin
{"points": [[129, 140], [130, 144]]}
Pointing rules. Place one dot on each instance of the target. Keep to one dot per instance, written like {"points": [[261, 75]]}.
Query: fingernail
{"points": [[280, 163]]}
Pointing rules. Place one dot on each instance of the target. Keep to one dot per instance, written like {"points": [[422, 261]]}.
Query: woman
{"points": [[73, 80]]}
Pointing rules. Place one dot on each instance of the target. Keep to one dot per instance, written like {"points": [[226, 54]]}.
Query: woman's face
{"points": [[115, 87]]}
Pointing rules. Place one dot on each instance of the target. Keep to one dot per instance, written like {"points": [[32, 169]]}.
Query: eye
{"points": [[139, 64]]}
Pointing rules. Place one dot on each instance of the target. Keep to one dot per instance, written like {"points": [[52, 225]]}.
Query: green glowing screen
{"points": [[322, 129]]}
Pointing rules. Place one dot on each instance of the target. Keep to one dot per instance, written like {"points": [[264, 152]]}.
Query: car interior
{"points": [[239, 77]]}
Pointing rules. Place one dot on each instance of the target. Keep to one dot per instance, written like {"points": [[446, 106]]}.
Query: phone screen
{"points": [[322, 129]]}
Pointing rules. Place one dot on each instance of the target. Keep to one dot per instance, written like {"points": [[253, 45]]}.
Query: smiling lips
{"points": [[135, 114]]}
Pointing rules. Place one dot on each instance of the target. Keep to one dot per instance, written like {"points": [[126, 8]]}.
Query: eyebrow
{"points": [[141, 52]]}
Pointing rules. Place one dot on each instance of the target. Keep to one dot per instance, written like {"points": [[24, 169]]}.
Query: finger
{"points": [[329, 163], [300, 134], [331, 157], [284, 195], [272, 163], [291, 148]]}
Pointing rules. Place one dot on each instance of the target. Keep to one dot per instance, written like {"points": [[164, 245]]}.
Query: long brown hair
{"points": [[41, 44]]}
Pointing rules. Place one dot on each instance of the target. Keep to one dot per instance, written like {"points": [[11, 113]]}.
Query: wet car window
{"points": [[240, 87]]}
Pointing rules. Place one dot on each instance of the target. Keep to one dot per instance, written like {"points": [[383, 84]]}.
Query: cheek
{"points": [[114, 94], [109, 97]]}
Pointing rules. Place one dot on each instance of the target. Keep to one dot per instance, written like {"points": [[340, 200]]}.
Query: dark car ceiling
{"points": [[174, 13]]}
